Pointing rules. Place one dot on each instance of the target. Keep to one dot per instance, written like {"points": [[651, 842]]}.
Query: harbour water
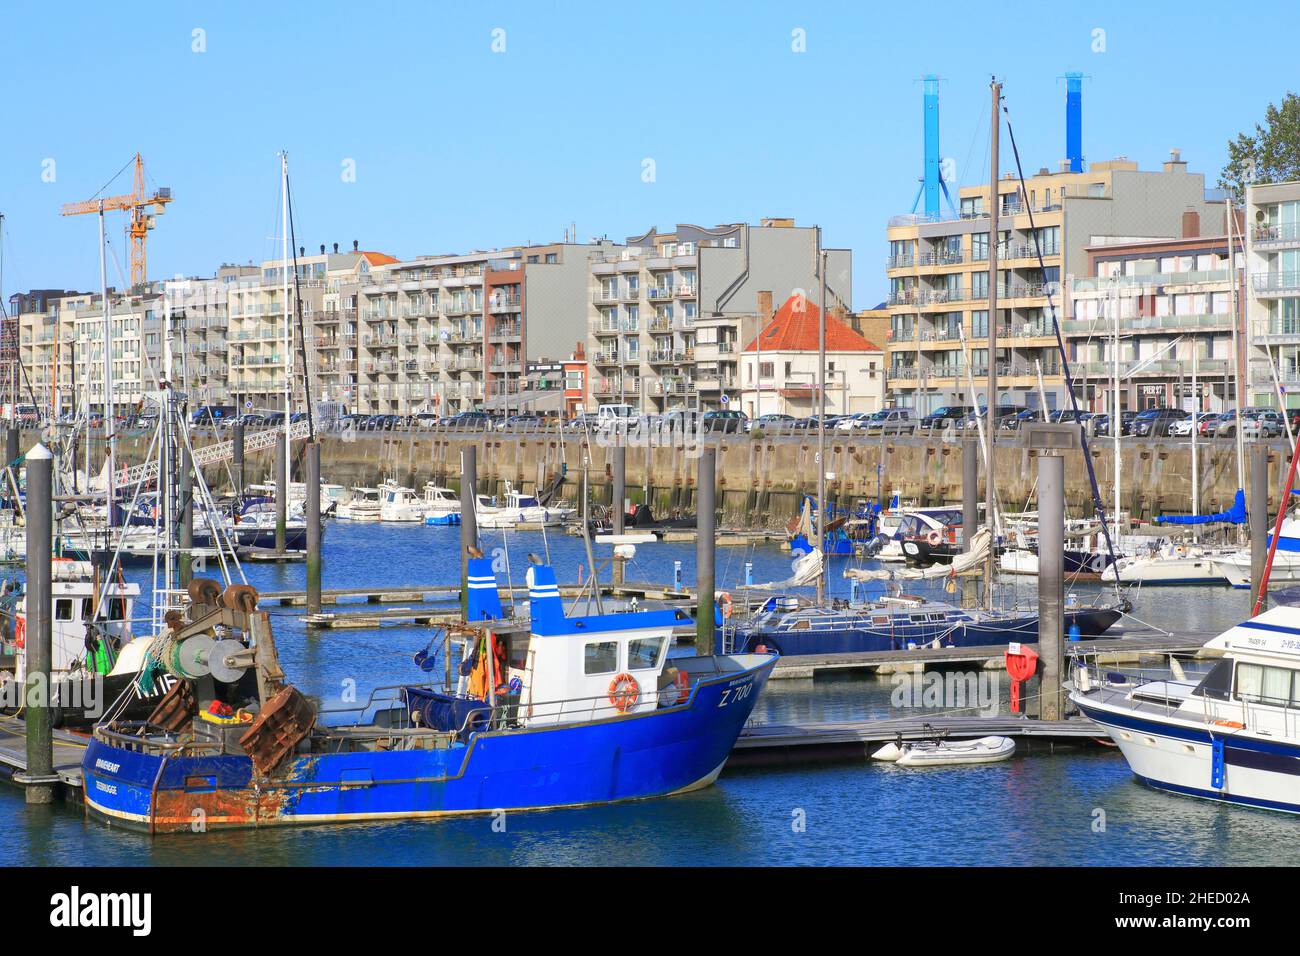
{"points": [[1078, 806]]}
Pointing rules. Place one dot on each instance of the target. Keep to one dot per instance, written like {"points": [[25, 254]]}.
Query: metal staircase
{"points": [[220, 451]]}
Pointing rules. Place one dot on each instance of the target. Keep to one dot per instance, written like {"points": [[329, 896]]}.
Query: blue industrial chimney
{"points": [[932, 176], [932, 182], [1074, 121]]}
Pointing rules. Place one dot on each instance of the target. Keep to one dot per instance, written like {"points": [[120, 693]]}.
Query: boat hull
{"points": [[1177, 756], [1165, 570], [1091, 622], [1236, 569], [658, 753]]}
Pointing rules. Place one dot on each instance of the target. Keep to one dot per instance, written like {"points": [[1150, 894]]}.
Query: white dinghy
{"points": [[943, 753]]}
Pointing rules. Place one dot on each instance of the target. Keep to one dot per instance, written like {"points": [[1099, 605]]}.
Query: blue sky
{"points": [[458, 147]]}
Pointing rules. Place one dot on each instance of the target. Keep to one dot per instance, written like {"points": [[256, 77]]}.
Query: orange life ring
{"points": [[20, 632], [933, 538], [624, 692], [725, 600]]}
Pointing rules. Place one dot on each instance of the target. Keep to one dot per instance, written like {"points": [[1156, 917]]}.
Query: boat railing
{"points": [[125, 740]]}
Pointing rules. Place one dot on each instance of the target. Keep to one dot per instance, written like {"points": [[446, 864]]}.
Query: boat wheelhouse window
{"points": [[1263, 684], [116, 609], [600, 658], [87, 606], [1217, 683], [643, 653], [880, 619], [63, 609]]}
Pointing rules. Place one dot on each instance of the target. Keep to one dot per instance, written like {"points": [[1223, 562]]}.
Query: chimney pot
{"points": [[765, 303], [336, 247]]}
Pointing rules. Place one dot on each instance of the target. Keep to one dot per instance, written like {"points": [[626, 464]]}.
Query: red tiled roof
{"points": [[379, 258], [794, 329]]}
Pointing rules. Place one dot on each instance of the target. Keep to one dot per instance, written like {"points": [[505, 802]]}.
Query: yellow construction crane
{"points": [[143, 210]]}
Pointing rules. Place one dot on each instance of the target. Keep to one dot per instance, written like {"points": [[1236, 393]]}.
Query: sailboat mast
{"points": [[990, 405], [1237, 354], [288, 344], [1196, 421], [821, 414], [1116, 418], [108, 372]]}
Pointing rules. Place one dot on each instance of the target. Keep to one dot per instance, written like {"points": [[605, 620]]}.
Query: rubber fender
{"points": [[240, 597], [205, 591]]}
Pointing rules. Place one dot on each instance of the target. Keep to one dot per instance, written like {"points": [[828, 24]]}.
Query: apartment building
{"points": [[671, 311], [451, 333], [1273, 293], [256, 340], [1168, 306], [200, 312], [62, 349], [938, 275], [779, 366]]}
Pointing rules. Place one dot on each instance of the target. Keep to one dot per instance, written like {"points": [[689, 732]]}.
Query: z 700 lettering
{"points": [[733, 694]]}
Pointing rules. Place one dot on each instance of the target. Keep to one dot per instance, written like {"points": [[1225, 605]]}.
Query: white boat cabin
{"points": [[581, 668], [73, 595]]}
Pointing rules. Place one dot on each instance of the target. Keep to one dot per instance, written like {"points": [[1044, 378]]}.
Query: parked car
{"points": [[1013, 421], [812, 422], [891, 421], [1002, 413], [477, 420], [729, 422], [522, 420], [1156, 422], [1068, 415], [1126, 423], [850, 422], [1262, 423], [945, 416], [1183, 428], [1226, 426], [774, 421]]}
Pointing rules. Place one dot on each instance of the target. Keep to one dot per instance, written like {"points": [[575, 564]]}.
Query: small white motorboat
{"points": [[364, 505], [943, 753]]}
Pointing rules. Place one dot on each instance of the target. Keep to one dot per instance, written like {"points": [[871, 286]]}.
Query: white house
{"points": [[778, 369]]}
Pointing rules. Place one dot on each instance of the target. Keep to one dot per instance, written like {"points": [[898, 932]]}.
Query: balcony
{"points": [[685, 292], [1170, 368], [505, 331], [605, 298], [1276, 283], [504, 303], [1276, 235], [1214, 321], [1276, 332], [659, 293]]}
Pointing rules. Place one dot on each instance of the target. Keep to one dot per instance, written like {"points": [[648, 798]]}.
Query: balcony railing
{"points": [[1276, 281], [1276, 232]]}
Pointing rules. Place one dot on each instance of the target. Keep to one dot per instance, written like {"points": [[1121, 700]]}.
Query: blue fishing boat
{"points": [[791, 627], [561, 711]]}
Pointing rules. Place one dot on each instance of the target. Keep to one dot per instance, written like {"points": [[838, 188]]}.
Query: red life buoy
{"points": [[933, 538], [20, 632], [624, 692]]}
